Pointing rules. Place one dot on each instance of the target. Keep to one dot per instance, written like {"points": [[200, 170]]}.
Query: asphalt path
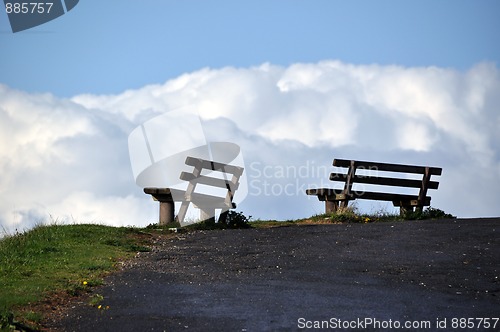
{"points": [[429, 274]]}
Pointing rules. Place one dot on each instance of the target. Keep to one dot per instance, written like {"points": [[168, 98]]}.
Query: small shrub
{"points": [[233, 220], [236, 219], [428, 213]]}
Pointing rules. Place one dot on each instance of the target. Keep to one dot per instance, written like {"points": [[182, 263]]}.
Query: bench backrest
{"points": [[230, 181], [422, 184]]}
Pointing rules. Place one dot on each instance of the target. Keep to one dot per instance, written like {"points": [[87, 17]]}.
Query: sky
{"points": [[294, 83]]}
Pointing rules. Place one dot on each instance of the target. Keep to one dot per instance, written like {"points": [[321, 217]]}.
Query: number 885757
{"points": [[28, 7]]}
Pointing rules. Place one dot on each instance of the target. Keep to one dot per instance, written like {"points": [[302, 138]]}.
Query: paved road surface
{"points": [[282, 279]]}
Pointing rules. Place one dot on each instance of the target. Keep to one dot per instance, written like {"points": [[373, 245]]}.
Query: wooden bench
{"points": [[228, 179], [335, 198]]}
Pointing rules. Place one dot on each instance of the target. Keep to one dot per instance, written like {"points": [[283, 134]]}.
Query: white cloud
{"points": [[69, 158], [53, 149], [414, 136], [92, 208], [32, 125]]}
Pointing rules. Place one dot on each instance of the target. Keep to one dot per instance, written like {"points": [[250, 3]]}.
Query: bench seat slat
{"points": [[387, 167], [323, 191], [157, 191], [329, 194], [205, 201], [384, 181], [377, 196]]}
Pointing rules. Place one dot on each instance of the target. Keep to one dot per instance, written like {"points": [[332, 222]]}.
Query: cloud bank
{"points": [[67, 159]]}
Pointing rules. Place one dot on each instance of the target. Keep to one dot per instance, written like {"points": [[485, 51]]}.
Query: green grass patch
{"points": [[260, 223], [49, 259], [352, 215]]}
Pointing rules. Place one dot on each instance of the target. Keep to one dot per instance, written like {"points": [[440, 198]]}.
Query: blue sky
{"points": [[128, 44], [293, 83]]}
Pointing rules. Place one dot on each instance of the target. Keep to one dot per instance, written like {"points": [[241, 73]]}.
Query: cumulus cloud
{"points": [[54, 151], [68, 158]]}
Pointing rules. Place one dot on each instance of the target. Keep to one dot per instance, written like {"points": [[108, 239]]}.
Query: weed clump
{"points": [[428, 213], [233, 220]]}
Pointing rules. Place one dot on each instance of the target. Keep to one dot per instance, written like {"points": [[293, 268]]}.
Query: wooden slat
{"points": [[348, 183], [337, 198], [157, 191], [209, 181], [425, 185], [159, 194], [323, 191], [203, 200], [387, 167], [384, 181], [215, 166], [377, 196], [328, 194], [336, 195]]}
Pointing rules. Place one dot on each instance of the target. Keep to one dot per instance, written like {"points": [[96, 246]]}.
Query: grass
{"points": [[59, 258], [351, 215], [47, 261]]}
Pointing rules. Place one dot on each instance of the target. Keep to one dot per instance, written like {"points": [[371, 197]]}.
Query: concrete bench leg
{"points": [[167, 205], [167, 209], [331, 206]]}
